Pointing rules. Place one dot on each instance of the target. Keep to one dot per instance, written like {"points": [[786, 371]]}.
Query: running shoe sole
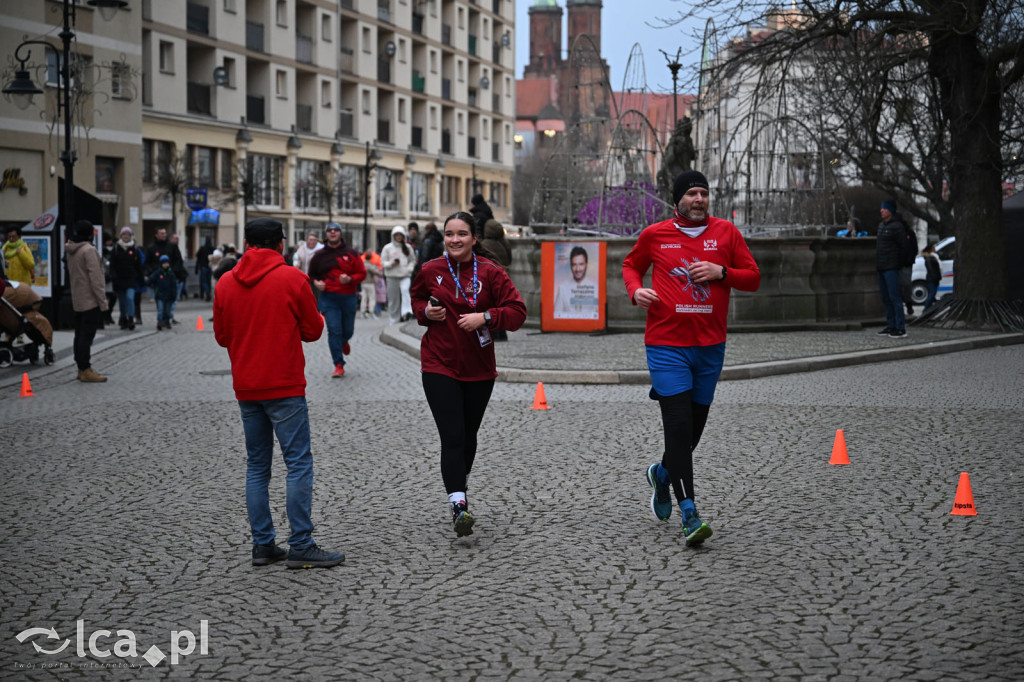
{"points": [[698, 536], [653, 482], [464, 524]]}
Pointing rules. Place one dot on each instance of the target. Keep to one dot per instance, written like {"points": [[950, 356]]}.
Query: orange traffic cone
{"points": [[26, 387], [839, 454], [963, 505], [199, 324], [539, 401]]}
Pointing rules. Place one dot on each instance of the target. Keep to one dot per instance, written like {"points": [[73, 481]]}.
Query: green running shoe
{"points": [[695, 530], [661, 498], [462, 519]]}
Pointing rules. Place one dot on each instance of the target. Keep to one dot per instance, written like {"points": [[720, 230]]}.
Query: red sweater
{"points": [[446, 349], [688, 314], [330, 262], [263, 311]]}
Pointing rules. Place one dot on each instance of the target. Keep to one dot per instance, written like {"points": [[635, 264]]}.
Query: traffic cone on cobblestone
{"points": [[963, 505], [199, 324], [839, 454], [539, 401], [26, 387]]}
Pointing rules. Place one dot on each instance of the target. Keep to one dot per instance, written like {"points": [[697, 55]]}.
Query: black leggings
{"points": [[458, 408], [684, 422]]}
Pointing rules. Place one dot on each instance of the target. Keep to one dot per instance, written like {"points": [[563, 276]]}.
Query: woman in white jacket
{"points": [[398, 261]]}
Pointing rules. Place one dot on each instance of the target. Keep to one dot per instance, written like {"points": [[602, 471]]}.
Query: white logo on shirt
{"points": [[711, 245], [671, 246], [440, 278]]}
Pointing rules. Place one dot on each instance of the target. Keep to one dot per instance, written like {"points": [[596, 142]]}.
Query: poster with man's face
{"points": [[577, 273]]}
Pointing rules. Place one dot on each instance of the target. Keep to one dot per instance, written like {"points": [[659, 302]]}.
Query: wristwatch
{"points": [[725, 271], [487, 318]]}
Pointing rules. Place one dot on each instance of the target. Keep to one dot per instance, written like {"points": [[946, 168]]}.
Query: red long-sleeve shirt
{"points": [[263, 311], [446, 349], [688, 314], [330, 262]]}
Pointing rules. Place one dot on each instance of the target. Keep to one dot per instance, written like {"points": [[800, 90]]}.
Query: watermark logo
{"points": [[99, 643]]}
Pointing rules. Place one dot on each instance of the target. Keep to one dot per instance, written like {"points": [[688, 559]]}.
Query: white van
{"points": [[945, 250]]}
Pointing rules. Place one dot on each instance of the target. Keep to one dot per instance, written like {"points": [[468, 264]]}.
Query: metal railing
{"points": [[384, 69], [417, 137], [304, 117], [419, 82], [303, 49], [384, 131], [446, 88], [197, 18], [197, 96], [347, 123], [255, 109], [254, 35]]}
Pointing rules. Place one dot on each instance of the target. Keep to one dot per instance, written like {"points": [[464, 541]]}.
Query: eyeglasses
{"points": [[333, 229]]}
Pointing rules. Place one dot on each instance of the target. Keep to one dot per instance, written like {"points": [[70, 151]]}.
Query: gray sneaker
{"points": [[264, 555], [313, 557]]}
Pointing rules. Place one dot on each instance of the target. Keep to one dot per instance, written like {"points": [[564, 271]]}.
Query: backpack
{"points": [[908, 248]]}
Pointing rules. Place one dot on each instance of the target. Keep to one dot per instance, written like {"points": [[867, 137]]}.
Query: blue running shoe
{"points": [[313, 557], [661, 498], [695, 530], [462, 519]]}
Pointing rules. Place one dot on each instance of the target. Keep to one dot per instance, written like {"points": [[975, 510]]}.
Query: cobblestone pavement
{"points": [[124, 509]]}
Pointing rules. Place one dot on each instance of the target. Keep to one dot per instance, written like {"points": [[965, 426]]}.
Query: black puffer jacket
{"points": [[125, 266], [887, 249]]}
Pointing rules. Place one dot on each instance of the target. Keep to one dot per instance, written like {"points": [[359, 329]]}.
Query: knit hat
{"points": [[264, 232], [685, 181], [889, 206], [165, 258], [126, 229]]}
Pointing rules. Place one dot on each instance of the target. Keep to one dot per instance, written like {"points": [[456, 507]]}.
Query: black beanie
{"points": [[264, 232], [82, 231], [685, 181]]}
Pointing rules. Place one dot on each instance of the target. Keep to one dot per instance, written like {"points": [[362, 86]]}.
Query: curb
{"points": [[394, 337]]}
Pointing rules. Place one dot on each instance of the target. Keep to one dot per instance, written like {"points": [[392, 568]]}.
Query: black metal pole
{"points": [[366, 200]]}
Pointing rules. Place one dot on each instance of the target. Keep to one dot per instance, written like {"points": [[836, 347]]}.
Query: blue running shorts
{"points": [[677, 369]]}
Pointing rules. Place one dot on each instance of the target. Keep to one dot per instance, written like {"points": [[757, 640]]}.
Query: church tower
{"points": [[545, 39]]}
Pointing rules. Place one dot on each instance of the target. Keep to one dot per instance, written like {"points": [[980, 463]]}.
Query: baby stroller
{"points": [[20, 319]]}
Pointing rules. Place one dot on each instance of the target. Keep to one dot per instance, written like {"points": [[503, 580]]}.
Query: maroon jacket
{"points": [[331, 261], [446, 349]]}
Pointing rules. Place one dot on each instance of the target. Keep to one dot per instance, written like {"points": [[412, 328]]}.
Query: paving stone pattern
{"points": [[124, 508]]}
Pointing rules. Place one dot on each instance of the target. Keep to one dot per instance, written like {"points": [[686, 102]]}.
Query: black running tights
{"points": [[684, 422], [458, 408]]}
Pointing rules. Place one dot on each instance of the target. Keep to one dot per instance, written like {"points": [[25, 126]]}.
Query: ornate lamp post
{"points": [[674, 65], [372, 157], [22, 89]]}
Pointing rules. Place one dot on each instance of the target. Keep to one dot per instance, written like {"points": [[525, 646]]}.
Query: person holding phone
{"points": [[461, 297]]}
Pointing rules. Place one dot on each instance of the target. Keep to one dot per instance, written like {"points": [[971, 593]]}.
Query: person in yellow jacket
{"points": [[20, 263]]}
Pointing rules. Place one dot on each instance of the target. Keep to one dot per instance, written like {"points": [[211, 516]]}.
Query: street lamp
{"points": [[372, 157], [21, 90], [674, 65]]}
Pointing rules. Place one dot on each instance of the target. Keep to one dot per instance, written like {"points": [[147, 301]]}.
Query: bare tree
{"points": [[925, 94], [173, 177]]}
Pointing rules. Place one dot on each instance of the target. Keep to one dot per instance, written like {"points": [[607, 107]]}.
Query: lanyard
{"points": [[458, 285]]}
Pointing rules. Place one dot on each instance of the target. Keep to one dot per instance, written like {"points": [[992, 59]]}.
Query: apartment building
{"points": [[370, 113], [106, 131]]}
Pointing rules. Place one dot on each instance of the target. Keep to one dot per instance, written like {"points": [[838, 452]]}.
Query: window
{"points": [[419, 193], [459, 128], [366, 101], [120, 81], [460, 68], [449, 190], [325, 93], [229, 6], [401, 109], [461, 17], [309, 179], [388, 191], [325, 28], [367, 36], [264, 174], [227, 169], [282, 13], [147, 161], [229, 66], [204, 166], [350, 188], [166, 56], [281, 84], [401, 50], [433, 61], [106, 174], [433, 118]]}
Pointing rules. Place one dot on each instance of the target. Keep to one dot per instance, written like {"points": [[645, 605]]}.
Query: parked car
{"points": [[945, 249]]}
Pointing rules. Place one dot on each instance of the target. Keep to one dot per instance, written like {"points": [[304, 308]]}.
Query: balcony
{"points": [[197, 98], [384, 131], [419, 82], [471, 146], [348, 60], [347, 123], [197, 19], [446, 34], [496, 103], [254, 36], [472, 44], [446, 141], [304, 118], [255, 109], [384, 69], [471, 97], [417, 137], [348, 4], [446, 88], [496, 53], [495, 152], [303, 49], [417, 23], [384, 10]]}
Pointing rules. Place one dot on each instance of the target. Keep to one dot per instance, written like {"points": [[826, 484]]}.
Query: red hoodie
{"points": [[262, 312]]}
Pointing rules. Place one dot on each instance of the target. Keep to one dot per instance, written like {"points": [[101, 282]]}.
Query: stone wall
{"points": [[803, 280]]}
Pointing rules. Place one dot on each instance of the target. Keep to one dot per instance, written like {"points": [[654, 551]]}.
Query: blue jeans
{"points": [[340, 317], [289, 419], [889, 287], [164, 311], [126, 303], [933, 288], [205, 278]]}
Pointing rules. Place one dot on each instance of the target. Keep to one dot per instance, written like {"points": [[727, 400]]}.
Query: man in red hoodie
{"points": [[263, 311], [696, 260], [337, 270]]}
